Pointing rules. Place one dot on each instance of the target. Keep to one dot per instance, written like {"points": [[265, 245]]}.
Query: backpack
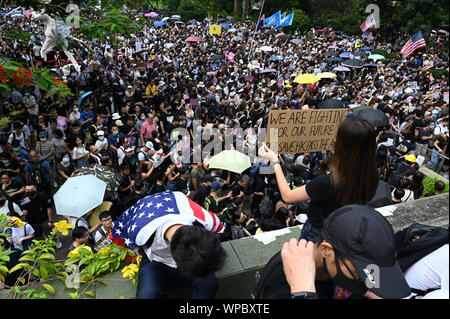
{"points": [[410, 249], [37, 177], [271, 283], [266, 207]]}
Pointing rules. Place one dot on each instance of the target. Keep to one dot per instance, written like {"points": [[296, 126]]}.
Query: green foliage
{"points": [[438, 73], [388, 56], [192, 9], [428, 184], [301, 21]]}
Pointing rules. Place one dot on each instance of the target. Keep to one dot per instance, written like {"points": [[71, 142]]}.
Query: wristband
{"points": [[304, 295]]}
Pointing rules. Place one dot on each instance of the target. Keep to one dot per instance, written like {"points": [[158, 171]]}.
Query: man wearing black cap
{"points": [[356, 251]]}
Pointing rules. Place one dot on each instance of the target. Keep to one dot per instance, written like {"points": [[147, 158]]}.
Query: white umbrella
{"points": [[266, 48]]}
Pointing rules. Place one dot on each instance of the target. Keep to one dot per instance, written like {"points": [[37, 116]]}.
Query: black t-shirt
{"points": [[124, 183], [157, 189], [36, 207], [203, 191], [14, 164], [11, 188], [323, 200], [180, 185]]}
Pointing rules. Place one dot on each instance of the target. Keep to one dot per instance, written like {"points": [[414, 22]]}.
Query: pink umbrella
{"points": [[280, 34], [194, 39], [148, 15]]}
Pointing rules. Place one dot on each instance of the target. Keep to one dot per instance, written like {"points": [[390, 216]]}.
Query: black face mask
{"points": [[2, 202], [32, 194], [356, 287]]}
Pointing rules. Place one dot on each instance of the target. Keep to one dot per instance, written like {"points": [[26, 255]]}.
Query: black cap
{"points": [[365, 236]]}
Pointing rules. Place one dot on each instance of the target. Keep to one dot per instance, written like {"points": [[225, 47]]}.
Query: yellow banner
{"points": [[215, 29]]}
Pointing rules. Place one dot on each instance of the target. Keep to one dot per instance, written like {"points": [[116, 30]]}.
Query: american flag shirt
{"points": [[154, 214]]}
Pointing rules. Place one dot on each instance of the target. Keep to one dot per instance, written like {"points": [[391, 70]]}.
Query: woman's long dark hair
{"points": [[353, 166]]}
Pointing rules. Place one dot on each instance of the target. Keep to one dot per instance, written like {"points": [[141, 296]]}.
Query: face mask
{"points": [[143, 118], [101, 138], [16, 149], [5, 161], [66, 160], [32, 194], [75, 109], [115, 133], [431, 126], [43, 139], [26, 94], [356, 287]]}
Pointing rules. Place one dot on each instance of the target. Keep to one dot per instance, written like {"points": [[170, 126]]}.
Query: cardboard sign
{"points": [[215, 29], [300, 131]]}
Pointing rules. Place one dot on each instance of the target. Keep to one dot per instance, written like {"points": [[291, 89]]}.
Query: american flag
{"points": [[415, 43], [367, 35], [368, 23], [116, 71], [136, 225]]}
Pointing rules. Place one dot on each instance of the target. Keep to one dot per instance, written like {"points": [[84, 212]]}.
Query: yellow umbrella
{"points": [[306, 78], [327, 75]]}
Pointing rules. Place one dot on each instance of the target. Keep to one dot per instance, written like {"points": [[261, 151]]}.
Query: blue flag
{"points": [[273, 20], [287, 21], [260, 24]]}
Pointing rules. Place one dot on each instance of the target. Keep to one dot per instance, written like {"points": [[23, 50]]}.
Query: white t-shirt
{"points": [[99, 144], [21, 138], [431, 271], [160, 248], [98, 235], [5, 210], [19, 232]]}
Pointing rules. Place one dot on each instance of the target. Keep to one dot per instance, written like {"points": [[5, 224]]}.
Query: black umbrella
{"points": [[353, 63], [360, 53], [331, 104], [284, 37], [334, 59], [376, 117], [272, 31]]}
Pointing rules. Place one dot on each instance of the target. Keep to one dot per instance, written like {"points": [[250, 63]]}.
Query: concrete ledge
{"points": [[248, 255]]}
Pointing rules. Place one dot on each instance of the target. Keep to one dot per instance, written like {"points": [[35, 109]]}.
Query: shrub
{"points": [[428, 184]]}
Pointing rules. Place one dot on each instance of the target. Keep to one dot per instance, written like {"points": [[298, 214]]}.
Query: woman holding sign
{"points": [[352, 179]]}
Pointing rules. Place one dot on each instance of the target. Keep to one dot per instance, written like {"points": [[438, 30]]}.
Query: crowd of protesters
{"points": [[131, 95]]}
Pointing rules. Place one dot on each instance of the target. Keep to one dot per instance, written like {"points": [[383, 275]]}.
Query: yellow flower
{"points": [[130, 270], [16, 221], [138, 260], [74, 252], [62, 227], [104, 250]]}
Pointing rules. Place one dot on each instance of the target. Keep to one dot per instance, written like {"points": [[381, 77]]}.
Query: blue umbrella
{"points": [[276, 58], [78, 195], [370, 65], [346, 55], [367, 49], [334, 59], [268, 71], [160, 23], [80, 99], [225, 25]]}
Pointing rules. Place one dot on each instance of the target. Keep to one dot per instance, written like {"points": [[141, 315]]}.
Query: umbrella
{"points": [[271, 31], [169, 45], [331, 104], [358, 109], [284, 37], [306, 78], [334, 59], [160, 23], [236, 38], [268, 71], [276, 58], [341, 69], [333, 47], [217, 57], [242, 29], [191, 26], [230, 160], [78, 195], [355, 63], [326, 75], [151, 15], [370, 65], [80, 99], [179, 22], [332, 53], [266, 48], [367, 49], [376, 57], [108, 175], [193, 21], [225, 25], [346, 55], [360, 53], [175, 16], [376, 117], [194, 39], [232, 30], [165, 19], [297, 41]]}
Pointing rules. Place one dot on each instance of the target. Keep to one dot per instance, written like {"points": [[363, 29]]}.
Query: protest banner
{"points": [[215, 29], [299, 131]]}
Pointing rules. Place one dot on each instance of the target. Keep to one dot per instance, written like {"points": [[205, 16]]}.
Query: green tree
{"points": [[192, 9], [301, 21]]}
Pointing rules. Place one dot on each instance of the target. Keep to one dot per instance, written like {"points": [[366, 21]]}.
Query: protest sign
{"points": [[446, 97], [215, 29], [299, 131]]}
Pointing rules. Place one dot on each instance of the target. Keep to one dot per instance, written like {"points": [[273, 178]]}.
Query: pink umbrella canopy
{"points": [[194, 39], [280, 34]]}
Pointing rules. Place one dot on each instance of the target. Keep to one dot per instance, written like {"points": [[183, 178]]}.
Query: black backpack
{"points": [[417, 241], [271, 282]]}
